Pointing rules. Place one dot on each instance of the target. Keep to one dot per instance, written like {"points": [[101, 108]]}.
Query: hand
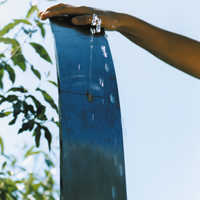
{"points": [[111, 21]]}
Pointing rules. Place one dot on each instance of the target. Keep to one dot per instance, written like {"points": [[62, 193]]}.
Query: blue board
{"points": [[92, 156]]}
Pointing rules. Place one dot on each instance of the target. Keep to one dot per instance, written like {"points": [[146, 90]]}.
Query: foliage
{"points": [[17, 182], [18, 98], [16, 179]]}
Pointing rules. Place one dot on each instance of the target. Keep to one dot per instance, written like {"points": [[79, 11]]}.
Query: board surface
{"points": [[92, 156]]}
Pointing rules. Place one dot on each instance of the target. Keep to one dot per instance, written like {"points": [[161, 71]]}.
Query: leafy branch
{"points": [[24, 103]]}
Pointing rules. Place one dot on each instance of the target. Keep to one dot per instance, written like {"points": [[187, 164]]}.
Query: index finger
{"points": [[59, 5], [71, 10]]}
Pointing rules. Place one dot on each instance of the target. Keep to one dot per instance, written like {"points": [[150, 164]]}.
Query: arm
{"points": [[179, 51]]}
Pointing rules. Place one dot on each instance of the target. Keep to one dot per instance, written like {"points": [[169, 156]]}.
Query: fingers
{"points": [[85, 19], [82, 20], [61, 11], [54, 7], [65, 9]]}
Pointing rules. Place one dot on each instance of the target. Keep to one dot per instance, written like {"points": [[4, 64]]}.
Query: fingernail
{"points": [[75, 20]]}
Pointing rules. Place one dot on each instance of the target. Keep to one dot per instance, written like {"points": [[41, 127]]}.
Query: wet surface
{"points": [[92, 157]]}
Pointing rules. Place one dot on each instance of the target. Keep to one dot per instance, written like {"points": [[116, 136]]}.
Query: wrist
{"points": [[125, 22]]}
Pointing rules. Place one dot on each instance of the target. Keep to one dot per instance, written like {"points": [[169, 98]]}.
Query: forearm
{"points": [[179, 51]]}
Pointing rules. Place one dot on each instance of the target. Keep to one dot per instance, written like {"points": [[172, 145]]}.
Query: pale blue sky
{"points": [[160, 105]]}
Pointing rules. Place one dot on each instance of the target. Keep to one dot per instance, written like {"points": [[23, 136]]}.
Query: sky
{"points": [[159, 104]]}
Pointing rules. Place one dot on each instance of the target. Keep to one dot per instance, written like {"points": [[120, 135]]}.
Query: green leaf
{"points": [[2, 55], [18, 89], [31, 11], [12, 121], [36, 186], [54, 121], [4, 165], [42, 30], [30, 152], [49, 162], [47, 136], [13, 42], [3, 2], [27, 108], [57, 123], [5, 114], [18, 59], [42, 117], [37, 134], [2, 145], [27, 126], [13, 162], [7, 28], [40, 108], [34, 153], [9, 41], [48, 99], [24, 21], [1, 77], [41, 51], [17, 108], [9, 98], [36, 72], [53, 83], [10, 26], [11, 72]]}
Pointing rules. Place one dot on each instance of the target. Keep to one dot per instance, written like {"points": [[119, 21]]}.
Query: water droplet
{"points": [[98, 28], [92, 30], [79, 67], [129, 70], [123, 127], [103, 48], [120, 170], [112, 98], [115, 143], [115, 59], [92, 117], [113, 192], [115, 160], [103, 101], [102, 83], [94, 20], [113, 26], [107, 67]]}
